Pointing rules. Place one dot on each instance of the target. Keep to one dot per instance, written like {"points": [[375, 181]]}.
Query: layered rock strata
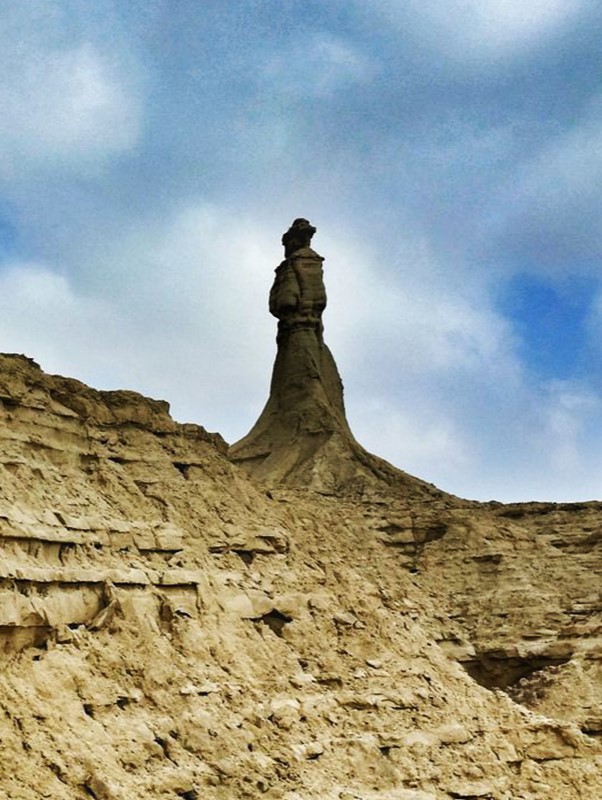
{"points": [[171, 628], [517, 588]]}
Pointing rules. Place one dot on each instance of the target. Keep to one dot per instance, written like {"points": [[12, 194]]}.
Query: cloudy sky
{"points": [[449, 152]]}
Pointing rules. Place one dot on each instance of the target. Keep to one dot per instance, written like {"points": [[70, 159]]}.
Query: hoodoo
{"points": [[302, 436], [305, 408]]}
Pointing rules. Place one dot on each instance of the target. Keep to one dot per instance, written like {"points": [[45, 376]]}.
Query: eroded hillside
{"points": [[290, 617], [172, 629]]}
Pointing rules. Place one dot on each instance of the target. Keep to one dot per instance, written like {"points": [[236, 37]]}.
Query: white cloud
{"points": [[505, 23], [416, 434], [566, 413], [43, 317], [550, 208], [481, 30], [570, 164], [425, 314], [63, 104], [317, 66]]}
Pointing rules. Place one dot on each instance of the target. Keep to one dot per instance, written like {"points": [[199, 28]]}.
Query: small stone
{"points": [[454, 734], [64, 635], [345, 618], [301, 681], [314, 749], [206, 688], [284, 712]]}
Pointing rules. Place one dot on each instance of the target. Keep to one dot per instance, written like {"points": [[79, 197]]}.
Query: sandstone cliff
{"points": [[176, 625]]}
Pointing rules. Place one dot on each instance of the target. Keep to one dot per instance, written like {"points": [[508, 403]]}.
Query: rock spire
{"points": [[302, 437]]}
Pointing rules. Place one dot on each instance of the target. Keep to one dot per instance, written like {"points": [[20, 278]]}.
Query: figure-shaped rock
{"points": [[302, 437], [298, 297], [305, 407]]}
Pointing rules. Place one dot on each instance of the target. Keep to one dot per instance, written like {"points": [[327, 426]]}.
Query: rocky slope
{"points": [[176, 623], [171, 629]]}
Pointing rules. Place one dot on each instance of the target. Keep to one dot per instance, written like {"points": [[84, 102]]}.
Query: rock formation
{"points": [[171, 628], [302, 437], [305, 408]]}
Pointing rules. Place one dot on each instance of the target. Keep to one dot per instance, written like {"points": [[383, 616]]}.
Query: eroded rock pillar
{"points": [[305, 407]]}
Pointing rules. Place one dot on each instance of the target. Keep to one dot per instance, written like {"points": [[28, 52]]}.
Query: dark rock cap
{"points": [[297, 236]]}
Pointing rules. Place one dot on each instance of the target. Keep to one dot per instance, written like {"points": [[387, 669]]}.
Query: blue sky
{"points": [[449, 153]]}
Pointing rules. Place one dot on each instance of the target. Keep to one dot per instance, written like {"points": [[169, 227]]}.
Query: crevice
{"points": [[276, 621], [246, 556], [593, 729], [182, 468], [430, 532], [505, 673], [163, 745], [58, 771]]}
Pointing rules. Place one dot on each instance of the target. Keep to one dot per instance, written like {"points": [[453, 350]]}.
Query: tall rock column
{"points": [[306, 394], [302, 437], [305, 408]]}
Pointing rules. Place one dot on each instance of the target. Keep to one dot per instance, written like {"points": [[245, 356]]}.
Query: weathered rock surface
{"points": [[306, 623], [302, 437], [170, 629]]}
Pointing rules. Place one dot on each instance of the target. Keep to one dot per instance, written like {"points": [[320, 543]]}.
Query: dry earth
{"points": [[292, 618], [172, 629]]}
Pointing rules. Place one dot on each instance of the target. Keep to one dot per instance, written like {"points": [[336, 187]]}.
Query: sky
{"points": [[449, 153]]}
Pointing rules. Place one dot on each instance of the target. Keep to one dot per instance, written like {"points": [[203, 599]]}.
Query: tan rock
{"points": [[170, 627]]}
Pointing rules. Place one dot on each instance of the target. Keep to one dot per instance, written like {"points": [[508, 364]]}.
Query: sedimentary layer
{"points": [[173, 628]]}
